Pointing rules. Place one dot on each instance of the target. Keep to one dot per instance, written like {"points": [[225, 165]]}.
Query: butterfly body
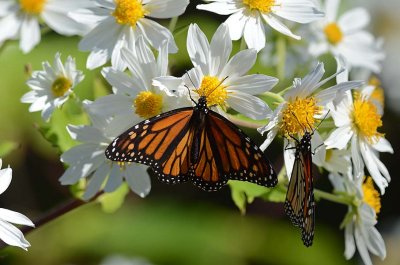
{"points": [[196, 144], [299, 204]]}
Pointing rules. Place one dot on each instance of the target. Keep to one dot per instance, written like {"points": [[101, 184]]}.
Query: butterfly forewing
{"points": [[153, 141]]}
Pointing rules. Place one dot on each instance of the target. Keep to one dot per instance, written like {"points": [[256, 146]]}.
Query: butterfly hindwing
{"points": [[240, 158]]}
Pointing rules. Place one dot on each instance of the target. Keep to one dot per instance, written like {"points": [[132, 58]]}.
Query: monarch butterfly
{"points": [[194, 143], [299, 203]]}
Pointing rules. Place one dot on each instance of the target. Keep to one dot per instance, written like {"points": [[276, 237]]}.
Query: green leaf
{"points": [[110, 202], [7, 147], [276, 194], [245, 192]]}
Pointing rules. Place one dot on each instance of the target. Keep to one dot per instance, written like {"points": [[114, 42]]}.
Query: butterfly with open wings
{"points": [[196, 144]]}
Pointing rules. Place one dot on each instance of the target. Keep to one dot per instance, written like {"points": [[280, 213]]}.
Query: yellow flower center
{"points": [[60, 86], [371, 195], [215, 92], [378, 94], [34, 7], [366, 119], [299, 116], [128, 12], [333, 33], [148, 104], [261, 5]]}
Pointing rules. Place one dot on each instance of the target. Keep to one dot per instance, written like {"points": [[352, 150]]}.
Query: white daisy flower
{"points": [[301, 110], [247, 17], [8, 232], [52, 86], [345, 36], [359, 224], [117, 23], [221, 79], [135, 97], [87, 160], [358, 120], [333, 160], [20, 19]]}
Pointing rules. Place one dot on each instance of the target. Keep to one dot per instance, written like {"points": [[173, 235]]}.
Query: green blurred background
{"points": [[174, 224]]}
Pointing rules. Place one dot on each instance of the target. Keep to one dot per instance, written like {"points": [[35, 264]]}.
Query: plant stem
{"points": [[319, 194], [172, 24], [54, 214], [243, 44], [281, 52]]}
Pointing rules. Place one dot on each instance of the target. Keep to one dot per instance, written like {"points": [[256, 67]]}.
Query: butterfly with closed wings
{"points": [[196, 144], [299, 203]]}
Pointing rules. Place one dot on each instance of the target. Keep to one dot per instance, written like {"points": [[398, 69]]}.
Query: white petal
{"points": [[86, 134], [383, 145], [138, 179], [362, 247], [372, 167], [198, 48], [97, 58], [358, 164], [339, 138], [48, 110], [249, 105], [279, 26], [236, 23], [220, 50], [12, 236], [162, 60], [166, 8], [9, 26], [123, 83], [15, 217], [319, 149], [252, 84], [5, 178], [350, 246], [220, 7], [331, 9], [289, 156], [354, 20], [30, 33], [156, 34], [239, 64], [115, 178], [254, 33], [96, 181], [62, 24], [301, 11], [376, 244], [270, 137], [168, 83]]}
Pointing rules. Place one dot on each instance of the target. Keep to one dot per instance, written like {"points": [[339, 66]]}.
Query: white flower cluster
{"points": [[124, 32]]}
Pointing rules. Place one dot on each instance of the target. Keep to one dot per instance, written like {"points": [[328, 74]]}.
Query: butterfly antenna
{"points": [[190, 96], [316, 127], [220, 83], [304, 129]]}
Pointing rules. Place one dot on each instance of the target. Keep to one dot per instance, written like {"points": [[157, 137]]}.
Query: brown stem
{"points": [[54, 213]]}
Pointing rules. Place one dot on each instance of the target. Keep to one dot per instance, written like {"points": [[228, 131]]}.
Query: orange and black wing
{"points": [[227, 153], [299, 204], [162, 142]]}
